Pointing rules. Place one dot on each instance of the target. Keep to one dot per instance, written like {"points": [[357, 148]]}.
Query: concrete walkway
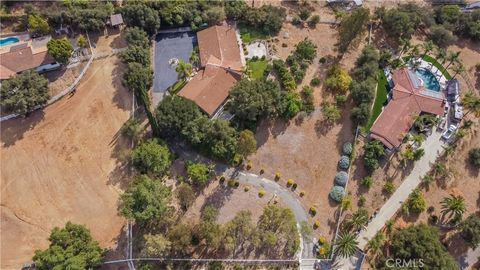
{"points": [[470, 259], [433, 147]]}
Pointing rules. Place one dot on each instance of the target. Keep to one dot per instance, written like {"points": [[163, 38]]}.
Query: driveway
{"points": [[433, 147], [170, 45]]}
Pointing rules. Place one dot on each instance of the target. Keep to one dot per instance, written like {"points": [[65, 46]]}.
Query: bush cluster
{"points": [[347, 148], [337, 193], [363, 85], [344, 162], [341, 178]]}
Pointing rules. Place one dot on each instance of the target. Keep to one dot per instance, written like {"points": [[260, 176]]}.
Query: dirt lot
{"points": [[308, 151], [63, 164]]}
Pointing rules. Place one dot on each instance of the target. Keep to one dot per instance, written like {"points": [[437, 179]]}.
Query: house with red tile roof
{"points": [[221, 67], [409, 100], [32, 54]]}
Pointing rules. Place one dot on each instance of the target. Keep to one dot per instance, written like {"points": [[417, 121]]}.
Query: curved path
{"points": [[301, 215]]}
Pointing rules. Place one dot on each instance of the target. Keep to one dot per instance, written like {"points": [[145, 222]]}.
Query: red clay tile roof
{"points": [[221, 68], [399, 115], [210, 88], [19, 60]]}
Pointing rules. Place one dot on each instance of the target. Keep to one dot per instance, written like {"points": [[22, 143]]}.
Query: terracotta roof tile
{"points": [[399, 115], [221, 68]]}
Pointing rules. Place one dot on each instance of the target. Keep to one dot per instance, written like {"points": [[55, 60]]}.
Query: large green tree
{"points": [[71, 247], [145, 200], [174, 113], [24, 92], [138, 78], [471, 230], [137, 54], [61, 49], [152, 157], [421, 242], [136, 36], [239, 230], [374, 150], [37, 25], [141, 15], [199, 173], [155, 245], [352, 27], [215, 137], [252, 100]]}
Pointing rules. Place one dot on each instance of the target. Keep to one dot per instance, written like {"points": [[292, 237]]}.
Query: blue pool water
{"points": [[430, 82], [8, 41]]}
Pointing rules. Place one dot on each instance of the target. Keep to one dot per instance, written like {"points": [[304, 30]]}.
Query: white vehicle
{"points": [[450, 131]]}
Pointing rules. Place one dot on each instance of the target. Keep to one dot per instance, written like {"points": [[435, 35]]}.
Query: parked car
{"points": [[450, 131]]}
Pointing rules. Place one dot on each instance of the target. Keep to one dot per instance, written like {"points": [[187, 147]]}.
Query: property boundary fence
{"points": [[66, 91]]}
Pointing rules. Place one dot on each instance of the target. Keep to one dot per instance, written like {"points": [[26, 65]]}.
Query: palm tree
{"points": [[415, 50], [417, 138], [453, 58], [427, 180], [427, 47], [405, 44], [458, 68], [441, 55], [375, 245], [195, 57], [440, 170], [471, 103], [453, 206], [183, 69], [346, 245], [358, 220]]}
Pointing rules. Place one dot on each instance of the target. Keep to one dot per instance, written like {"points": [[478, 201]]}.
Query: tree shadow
{"points": [[218, 197], [269, 128], [120, 90], [13, 130]]}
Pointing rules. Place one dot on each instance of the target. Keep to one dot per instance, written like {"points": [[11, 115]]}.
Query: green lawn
{"points": [[250, 34], [256, 68], [380, 98], [432, 60]]}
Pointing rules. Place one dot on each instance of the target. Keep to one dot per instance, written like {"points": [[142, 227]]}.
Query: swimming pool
{"points": [[429, 80], [8, 41]]}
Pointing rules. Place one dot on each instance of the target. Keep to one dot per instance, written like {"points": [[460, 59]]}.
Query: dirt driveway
{"points": [[64, 164]]}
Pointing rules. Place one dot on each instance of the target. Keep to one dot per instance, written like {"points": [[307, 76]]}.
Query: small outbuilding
{"points": [[116, 20]]}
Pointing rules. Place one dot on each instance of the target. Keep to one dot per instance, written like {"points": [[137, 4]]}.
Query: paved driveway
{"points": [[168, 46]]}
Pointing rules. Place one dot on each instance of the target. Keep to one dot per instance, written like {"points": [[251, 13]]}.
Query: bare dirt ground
{"points": [[61, 79], [63, 164], [308, 151]]}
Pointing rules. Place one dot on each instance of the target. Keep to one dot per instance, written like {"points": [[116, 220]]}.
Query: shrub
{"points": [[222, 179], [312, 211], [389, 187], [361, 201], [246, 188], [296, 20], [236, 184], [261, 193], [341, 178], [262, 171], [341, 100], [474, 157], [284, 45], [277, 176], [316, 224], [347, 148], [337, 193], [302, 193], [322, 60], [344, 162], [304, 12], [315, 81], [290, 182], [231, 183], [249, 165], [314, 20], [367, 181]]}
